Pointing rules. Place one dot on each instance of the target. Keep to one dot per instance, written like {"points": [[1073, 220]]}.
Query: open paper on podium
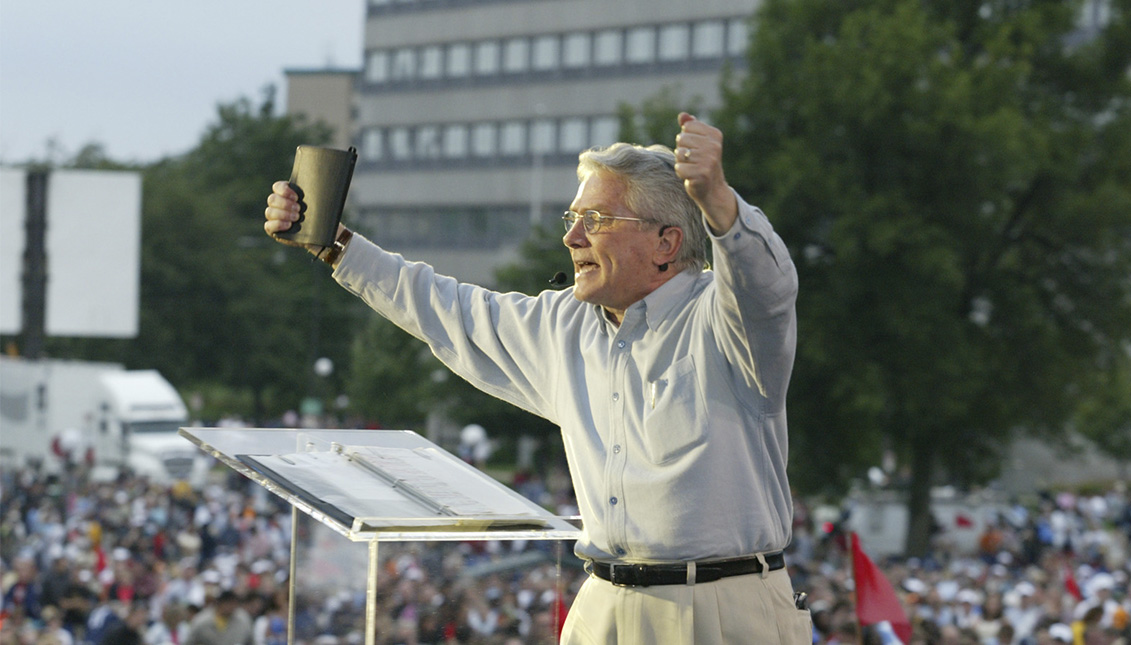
{"points": [[397, 488], [384, 485]]}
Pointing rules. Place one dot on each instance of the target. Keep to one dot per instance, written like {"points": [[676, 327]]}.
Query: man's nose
{"points": [[575, 237]]}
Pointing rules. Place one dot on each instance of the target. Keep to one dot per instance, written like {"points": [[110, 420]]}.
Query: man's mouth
{"points": [[584, 266]]}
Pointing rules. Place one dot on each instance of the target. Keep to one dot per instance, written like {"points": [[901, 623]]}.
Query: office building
{"points": [[468, 115]]}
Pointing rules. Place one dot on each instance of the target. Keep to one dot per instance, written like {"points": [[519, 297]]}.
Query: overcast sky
{"points": [[144, 78]]}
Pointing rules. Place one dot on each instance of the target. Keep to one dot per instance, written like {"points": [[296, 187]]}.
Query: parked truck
{"points": [[55, 412]]}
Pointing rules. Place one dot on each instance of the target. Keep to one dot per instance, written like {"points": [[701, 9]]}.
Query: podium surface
{"points": [[388, 485]]}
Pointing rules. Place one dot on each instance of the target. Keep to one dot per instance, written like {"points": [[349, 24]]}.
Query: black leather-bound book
{"points": [[321, 177]]}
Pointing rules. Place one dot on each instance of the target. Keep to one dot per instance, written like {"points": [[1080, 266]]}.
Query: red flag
{"points": [[1070, 584], [876, 601]]}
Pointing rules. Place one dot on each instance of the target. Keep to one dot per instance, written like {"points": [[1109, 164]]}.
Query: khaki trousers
{"points": [[755, 609]]}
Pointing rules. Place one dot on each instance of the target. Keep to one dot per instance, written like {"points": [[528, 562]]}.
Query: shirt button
{"points": [[616, 449], [737, 235], [620, 344], [621, 551], [616, 396], [613, 501]]}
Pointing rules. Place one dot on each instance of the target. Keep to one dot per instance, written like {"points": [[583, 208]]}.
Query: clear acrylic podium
{"points": [[372, 486]]}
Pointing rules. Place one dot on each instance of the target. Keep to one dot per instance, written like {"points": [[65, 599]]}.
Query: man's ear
{"points": [[669, 244]]}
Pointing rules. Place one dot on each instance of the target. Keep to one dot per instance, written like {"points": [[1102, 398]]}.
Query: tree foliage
{"points": [[393, 378], [244, 310], [1104, 415], [221, 304], [222, 307], [952, 179], [655, 120]]}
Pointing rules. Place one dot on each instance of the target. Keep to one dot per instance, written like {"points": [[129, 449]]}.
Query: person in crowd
{"points": [[130, 630], [1086, 629], [270, 628], [172, 627], [53, 631], [24, 594], [668, 381], [223, 622]]}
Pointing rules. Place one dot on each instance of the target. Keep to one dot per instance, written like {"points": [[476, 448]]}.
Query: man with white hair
{"points": [[668, 382]]}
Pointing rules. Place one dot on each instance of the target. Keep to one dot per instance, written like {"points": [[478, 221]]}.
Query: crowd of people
{"points": [[1055, 571], [130, 561]]}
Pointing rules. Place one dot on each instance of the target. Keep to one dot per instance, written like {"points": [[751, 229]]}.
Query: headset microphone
{"points": [[558, 280]]}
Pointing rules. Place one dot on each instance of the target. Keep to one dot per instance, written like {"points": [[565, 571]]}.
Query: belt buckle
{"points": [[627, 575]]}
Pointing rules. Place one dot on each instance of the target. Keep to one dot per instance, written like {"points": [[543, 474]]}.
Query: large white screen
{"points": [[93, 253], [13, 204]]}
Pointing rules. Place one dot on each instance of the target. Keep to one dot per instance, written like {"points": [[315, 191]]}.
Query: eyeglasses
{"points": [[594, 221]]}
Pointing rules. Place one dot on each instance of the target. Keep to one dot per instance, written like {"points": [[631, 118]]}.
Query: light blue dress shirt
{"points": [[674, 422]]}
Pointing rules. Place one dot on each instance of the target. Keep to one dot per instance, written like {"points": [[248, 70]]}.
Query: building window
{"points": [[513, 138], [431, 62], [483, 140], [607, 48], [377, 67], [605, 131], [574, 135], [371, 144], [707, 39], [640, 46], [400, 144], [542, 139], [487, 58], [428, 142], [459, 60], [545, 53], [674, 43], [516, 56], [575, 51], [408, 228], [1094, 14], [455, 141], [404, 64], [737, 35]]}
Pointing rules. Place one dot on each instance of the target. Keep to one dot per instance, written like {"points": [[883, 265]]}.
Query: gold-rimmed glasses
{"points": [[593, 221]]}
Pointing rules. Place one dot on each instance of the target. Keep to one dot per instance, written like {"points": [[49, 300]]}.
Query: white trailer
{"points": [[55, 411]]}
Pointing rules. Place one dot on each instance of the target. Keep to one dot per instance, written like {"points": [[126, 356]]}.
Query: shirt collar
{"points": [[657, 305], [660, 303]]}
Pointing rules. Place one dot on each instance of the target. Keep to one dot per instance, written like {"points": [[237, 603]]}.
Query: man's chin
{"points": [[584, 294]]}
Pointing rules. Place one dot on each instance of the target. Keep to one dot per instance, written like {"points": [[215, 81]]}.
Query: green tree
{"points": [[1104, 415], [393, 378], [222, 307], [655, 120], [222, 303], [952, 179], [542, 255]]}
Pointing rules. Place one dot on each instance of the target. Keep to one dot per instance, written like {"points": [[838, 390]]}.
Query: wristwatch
{"points": [[331, 253]]}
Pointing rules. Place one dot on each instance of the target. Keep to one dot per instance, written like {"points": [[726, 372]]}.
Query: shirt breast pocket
{"points": [[674, 418]]}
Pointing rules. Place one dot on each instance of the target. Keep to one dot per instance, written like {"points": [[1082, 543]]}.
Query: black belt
{"points": [[643, 575]]}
